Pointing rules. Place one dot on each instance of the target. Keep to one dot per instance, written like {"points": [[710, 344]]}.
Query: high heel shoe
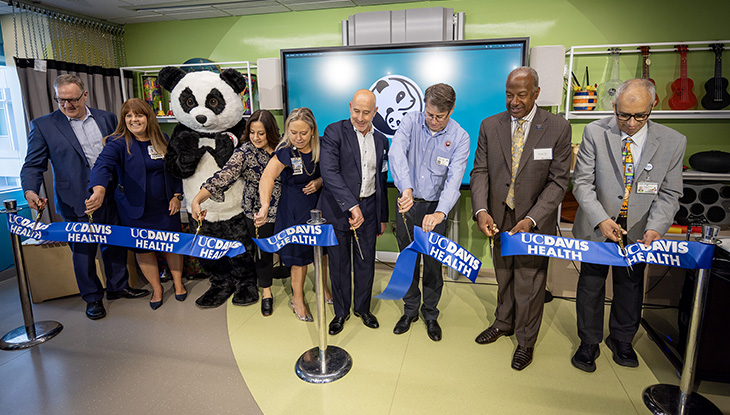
{"points": [[181, 297], [307, 317]]}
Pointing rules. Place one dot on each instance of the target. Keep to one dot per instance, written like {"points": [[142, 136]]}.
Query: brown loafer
{"points": [[491, 334], [522, 357]]}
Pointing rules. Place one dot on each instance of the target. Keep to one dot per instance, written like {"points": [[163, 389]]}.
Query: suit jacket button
{"points": [[613, 217], [620, 197]]}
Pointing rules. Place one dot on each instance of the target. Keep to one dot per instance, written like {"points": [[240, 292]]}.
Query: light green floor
{"points": [[410, 374]]}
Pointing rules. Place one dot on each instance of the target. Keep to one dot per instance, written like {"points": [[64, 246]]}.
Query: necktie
{"points": [[518, 143], [628, 176]]}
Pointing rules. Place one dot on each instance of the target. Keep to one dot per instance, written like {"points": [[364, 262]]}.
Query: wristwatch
{"points": [[179, 197]]}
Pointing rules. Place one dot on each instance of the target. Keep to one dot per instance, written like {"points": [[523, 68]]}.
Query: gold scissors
{"points": [[357, 241], [91, 219], [41, 208], [622, 247], [200, 223]]}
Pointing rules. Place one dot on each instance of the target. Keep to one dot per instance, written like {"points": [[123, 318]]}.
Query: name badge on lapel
{"points": [[441, 161], [542, 154], [296, 165], [154, 155], [650, 188], [385, 167]]}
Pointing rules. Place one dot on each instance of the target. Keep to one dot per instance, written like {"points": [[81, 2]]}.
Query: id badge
{"points": [[154, 155], [442, 161], [385, 167], [542, 154], [651, 188], [296, 165]]}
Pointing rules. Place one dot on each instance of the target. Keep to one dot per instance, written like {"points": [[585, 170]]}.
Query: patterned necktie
{"points": [[518, 143], [628, 176]]}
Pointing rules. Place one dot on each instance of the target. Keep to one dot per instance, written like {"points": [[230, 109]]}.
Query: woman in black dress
{"points": [[147, 195], [296, 160]]}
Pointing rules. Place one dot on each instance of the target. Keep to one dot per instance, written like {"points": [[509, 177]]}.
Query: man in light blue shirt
{"points": [[427, 159]]}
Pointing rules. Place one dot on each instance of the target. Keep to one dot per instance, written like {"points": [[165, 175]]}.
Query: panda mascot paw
{"points": [[209, 111]]}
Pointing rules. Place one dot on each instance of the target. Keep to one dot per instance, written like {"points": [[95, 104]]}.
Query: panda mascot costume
{"points": [[209, 112]]}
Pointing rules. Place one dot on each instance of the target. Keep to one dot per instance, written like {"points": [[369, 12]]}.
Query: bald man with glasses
{"points": [[628, 181]]}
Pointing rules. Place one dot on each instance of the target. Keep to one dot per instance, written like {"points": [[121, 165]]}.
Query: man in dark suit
{"points": [[71, 139], [520, 175], [354, 200], [639, 210]]}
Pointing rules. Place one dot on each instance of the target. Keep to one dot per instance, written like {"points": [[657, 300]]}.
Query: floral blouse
{"points": [[248, 163]]}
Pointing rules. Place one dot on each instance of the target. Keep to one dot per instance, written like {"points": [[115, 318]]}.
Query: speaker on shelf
{"points": [[704, 202]]}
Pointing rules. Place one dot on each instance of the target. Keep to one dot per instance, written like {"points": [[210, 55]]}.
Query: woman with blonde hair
{"points": [[147, 195], [296, 160]]}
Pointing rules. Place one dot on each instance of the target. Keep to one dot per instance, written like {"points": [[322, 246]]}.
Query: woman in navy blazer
{"points": [[147, 195]]}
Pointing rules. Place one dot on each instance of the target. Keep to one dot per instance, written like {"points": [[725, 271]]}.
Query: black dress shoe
{"points": [[126, 293], [491, 334], [337, 324], [623, 353], [522, 357], [404, 324], [433, 329], [585, 357], [368, 319], [267, 306], [95, 310]]}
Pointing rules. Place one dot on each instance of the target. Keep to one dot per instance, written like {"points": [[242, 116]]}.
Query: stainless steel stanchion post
{"points": [[32, 333], [663, 399], [322, 364]]}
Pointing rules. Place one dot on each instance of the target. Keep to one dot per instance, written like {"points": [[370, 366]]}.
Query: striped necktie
{"points": [[628, 176], [518, 143]]}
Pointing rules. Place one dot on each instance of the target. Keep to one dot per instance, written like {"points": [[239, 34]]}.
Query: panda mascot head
{"points": [[204, 101], [209, 112]]}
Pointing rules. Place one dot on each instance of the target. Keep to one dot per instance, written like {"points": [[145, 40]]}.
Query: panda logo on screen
{"points": [[395, 95]]}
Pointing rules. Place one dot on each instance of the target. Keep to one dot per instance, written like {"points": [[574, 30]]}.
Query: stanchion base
{"points": [[18, 338], [663, 399], [309, 367]]}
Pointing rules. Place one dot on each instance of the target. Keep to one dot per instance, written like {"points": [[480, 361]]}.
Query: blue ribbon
{"points": [[313, 235], [163, 241], [437, 246], [681, 254]]}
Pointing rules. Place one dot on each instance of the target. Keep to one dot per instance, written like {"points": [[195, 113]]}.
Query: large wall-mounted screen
{"points": [[324, 79]]}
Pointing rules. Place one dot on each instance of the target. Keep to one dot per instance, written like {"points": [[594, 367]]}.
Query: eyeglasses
{"points": [[437, 117], [622, 116], [72, 101]]}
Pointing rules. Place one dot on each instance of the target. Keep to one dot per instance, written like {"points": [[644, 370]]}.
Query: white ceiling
{"points": [[142, 11]]}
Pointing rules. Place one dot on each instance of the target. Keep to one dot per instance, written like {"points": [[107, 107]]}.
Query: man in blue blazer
{"points": [[71, 139], [354, 200]]}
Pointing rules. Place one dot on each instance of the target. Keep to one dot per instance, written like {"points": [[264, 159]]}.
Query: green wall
{"points": [[554, 22]]}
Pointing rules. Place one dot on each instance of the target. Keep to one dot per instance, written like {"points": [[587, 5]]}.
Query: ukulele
{"points": [[682, 98], [716, 97], [645, 56], [607, 90]]}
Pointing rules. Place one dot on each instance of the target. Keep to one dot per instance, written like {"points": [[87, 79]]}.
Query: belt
{"points": [[419, 200], [360, 199]]}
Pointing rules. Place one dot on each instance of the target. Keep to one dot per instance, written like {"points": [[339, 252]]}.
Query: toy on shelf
{"points": [[682, 96], [607, 90], [152, 91], [716, 97], [584, 98]]}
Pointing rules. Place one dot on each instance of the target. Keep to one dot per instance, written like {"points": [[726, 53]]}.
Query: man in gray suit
{"points": [[631, 193], [521, 171]]}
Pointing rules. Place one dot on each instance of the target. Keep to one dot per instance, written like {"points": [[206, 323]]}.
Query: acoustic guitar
{"points": [[607, 90], [682, 96], [645, 73], [716, 97]]}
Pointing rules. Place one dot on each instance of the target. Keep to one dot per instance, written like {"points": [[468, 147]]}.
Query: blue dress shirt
{"points": [[432, 165]]}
